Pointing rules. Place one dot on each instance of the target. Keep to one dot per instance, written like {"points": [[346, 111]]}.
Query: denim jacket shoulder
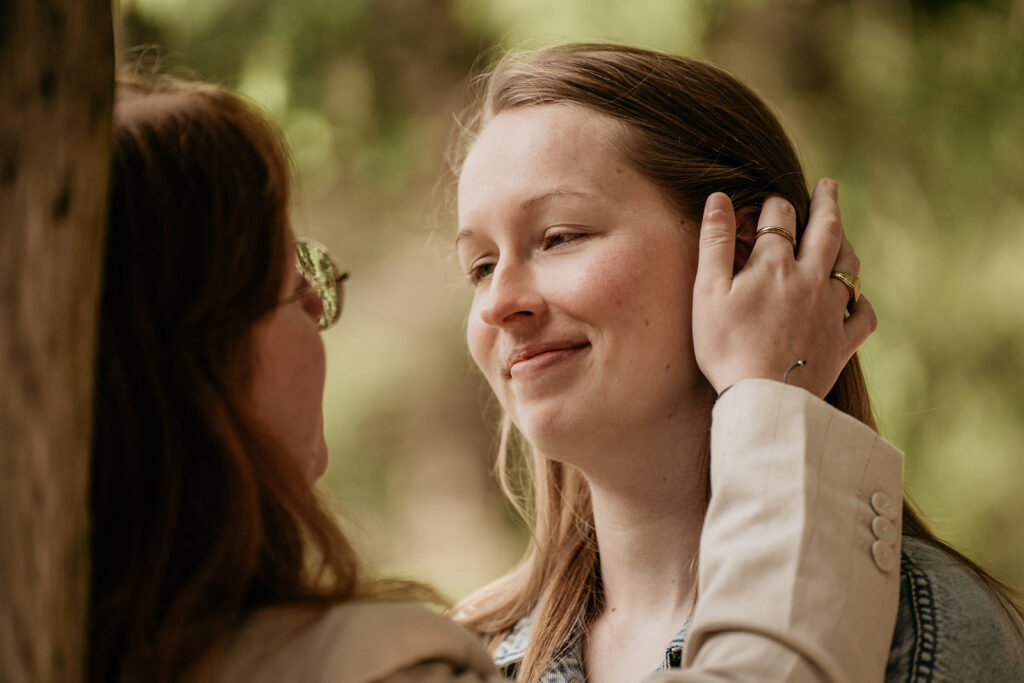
{"points": [[950, 626]]}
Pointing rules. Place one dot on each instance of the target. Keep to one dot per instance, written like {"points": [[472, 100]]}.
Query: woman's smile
{"points": [[531, 361]]}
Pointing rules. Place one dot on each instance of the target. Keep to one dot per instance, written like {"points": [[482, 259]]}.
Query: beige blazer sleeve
{"points": [[368, 642], [799, 557]]}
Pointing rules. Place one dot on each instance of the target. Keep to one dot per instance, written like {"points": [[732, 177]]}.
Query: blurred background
{"points": [[915, 106]]}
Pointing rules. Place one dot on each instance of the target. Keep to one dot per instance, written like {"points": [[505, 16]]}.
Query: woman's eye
{"points": [[560, 238], [480, 271], [303, 283], [313, 304]]}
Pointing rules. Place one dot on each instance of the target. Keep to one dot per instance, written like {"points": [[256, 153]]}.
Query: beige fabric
{"points": [[355, 643], [788, 587]]}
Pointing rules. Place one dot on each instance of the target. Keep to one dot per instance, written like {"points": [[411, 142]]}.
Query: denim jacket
{"points": [[949, 627]]}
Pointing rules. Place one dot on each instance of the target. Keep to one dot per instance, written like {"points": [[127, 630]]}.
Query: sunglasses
{"points": [[323, 278]]}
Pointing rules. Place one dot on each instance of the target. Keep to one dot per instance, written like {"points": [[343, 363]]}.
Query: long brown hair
{"points": [[692, 129], [197, 517]]}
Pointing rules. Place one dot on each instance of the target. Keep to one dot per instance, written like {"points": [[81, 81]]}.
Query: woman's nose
{"points": [[512, 296]]}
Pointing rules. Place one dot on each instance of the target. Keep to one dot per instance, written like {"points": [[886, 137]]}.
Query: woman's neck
{"points": [[648, 518], [648, 541], [649, 501]]}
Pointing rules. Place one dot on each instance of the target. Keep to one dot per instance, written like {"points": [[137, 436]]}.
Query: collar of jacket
{"points": [[510, 652]]}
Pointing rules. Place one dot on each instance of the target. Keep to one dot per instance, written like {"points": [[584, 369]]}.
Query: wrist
{"points": [[793, 374]]}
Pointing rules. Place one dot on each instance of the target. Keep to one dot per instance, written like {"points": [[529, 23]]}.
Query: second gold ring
{"points": [[776, 230], [852, 283]]}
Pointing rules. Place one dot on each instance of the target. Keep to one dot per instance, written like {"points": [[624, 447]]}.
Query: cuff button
{"points": [[884, 556], [883, 529], [883, 505]]}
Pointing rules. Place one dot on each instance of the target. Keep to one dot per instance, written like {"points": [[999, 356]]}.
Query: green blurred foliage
{"points": [[916, 107]]}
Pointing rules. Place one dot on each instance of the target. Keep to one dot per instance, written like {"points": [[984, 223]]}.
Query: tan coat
{"points": [[799, 575]]}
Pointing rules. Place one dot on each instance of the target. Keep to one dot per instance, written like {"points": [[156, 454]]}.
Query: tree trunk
{"points": [[56, 91]]}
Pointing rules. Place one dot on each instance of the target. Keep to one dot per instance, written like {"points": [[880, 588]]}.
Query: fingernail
{"points": [[716, 202]]}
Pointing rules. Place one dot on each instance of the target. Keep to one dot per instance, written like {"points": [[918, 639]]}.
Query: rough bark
{"points": [[56, 89]]}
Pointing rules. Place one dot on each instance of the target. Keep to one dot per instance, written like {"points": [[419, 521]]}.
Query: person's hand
{"points": [[780, 308]]}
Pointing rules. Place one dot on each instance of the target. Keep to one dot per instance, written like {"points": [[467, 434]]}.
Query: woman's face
{"points": [[583, 274], [286, 384]]}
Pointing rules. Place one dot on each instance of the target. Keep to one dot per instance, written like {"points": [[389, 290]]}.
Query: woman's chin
{"points": [[318, 462], [558, 434]]}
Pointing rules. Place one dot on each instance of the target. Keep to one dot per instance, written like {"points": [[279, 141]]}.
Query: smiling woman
{"points": [[618, 294], [571, 327]]}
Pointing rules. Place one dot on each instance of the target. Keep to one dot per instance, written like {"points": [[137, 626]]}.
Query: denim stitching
{"points": [[922, 600]]}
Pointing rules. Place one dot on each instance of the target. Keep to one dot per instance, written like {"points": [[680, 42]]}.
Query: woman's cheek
{"points": [[479, 337]]}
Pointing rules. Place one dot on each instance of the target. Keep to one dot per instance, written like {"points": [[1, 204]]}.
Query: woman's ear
{"points": [[746, 227]]}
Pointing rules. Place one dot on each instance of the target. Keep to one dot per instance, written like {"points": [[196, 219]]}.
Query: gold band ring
{"points": [[776, 230], [852, 283]]}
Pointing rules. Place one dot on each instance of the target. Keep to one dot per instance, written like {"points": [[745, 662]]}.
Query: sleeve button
{"points": [[883, 505], [884, 556], [883, 529]]}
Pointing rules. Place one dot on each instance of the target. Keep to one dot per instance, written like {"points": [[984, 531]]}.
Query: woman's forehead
{"points": [[547, 126], [537, 152]]}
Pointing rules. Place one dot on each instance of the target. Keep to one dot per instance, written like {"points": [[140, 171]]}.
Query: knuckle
{"points": [[779, 266], [782, 206], [833, 226], [705, 291], [867, 315], [713, 238], [872, 320]]}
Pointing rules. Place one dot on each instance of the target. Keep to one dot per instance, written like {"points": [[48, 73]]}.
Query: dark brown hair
{"points": [[197, 517], [692, 129]]}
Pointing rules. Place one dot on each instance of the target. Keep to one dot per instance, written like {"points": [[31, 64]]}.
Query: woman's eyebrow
{"points": [[462, 234], [531, 202]]}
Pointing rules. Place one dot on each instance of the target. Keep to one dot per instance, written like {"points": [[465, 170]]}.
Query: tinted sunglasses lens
{"points": [[319, 270]]}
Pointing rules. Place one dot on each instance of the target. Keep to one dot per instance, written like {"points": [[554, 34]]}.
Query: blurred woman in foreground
{"points": [[213, 558], [210, 548]]}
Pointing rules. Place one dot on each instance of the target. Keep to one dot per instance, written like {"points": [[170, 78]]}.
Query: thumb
{"points": [[717, 250]]}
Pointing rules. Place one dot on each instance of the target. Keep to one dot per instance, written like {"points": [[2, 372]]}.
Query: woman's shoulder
{"points": [[358, 641], [950, 625]]}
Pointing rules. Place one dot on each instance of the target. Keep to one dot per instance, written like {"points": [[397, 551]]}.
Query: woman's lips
{"points": [[530, 362]]}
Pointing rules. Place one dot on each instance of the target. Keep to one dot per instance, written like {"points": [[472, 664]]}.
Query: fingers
{"points": [[717, 242], [861, 323], [846, 262], [821, 242], [778, 213]]}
